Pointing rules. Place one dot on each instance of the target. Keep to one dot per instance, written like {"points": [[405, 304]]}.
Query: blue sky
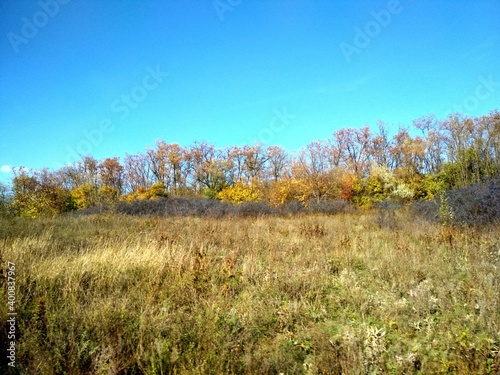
{"points": [[111, 77]]}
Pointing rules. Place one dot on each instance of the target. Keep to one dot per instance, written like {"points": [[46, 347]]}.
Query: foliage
{"points": [[85, 196], [212, 192], [240, 192], [35, 195], [375, 188], [402, 193], [155, 191], [361, 165], [108, 194], [445, 211], [429, 187], [347, 183], [288, 190], [88, 195], [469, 168]]}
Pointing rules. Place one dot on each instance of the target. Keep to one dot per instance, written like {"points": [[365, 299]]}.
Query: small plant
{"points": [[312, 230], [445, 211], [374, 346]]}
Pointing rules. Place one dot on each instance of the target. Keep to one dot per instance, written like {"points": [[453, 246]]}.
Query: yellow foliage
{"points": [[239, 193], [83, 196], [88, 195], [155, 191], [31, 207], [44, 202], [288, 190], [108, 194]]}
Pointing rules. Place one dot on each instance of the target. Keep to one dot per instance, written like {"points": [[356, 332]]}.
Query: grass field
{"points": [[355, 293]]}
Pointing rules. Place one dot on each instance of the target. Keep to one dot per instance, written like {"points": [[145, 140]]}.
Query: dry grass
{"points": [[311, 294]]}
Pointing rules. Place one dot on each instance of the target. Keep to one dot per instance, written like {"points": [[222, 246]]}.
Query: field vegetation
{"points": [[379, 291]]}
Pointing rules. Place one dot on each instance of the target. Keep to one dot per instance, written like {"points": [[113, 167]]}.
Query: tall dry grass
{"points": [[350, 294]]}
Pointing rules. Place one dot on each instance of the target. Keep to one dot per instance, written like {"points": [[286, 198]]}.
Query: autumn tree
{"points": [[416, 162], [380, 146], [407, 153], [431, 130], [137, 174], [89, 169], [177, 159], [111, 174], [311, 167], [472, 149], [39, 193], [355, 147], [255, 161], [240, 193], [236, 163], [5, 200], [209, 169], [158, 162], [70, 176], [277, 160]]}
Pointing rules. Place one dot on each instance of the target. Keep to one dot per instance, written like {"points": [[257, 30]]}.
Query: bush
{"points": [[427, 209], [292, 208], [155, 191], [175, 207], [386, 214], [240, 193], [252, 209], [287, 191], [203, 207], [331, 207], [476, 204]]}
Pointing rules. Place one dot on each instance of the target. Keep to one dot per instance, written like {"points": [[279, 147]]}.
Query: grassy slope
{"points": [[308, 294]]}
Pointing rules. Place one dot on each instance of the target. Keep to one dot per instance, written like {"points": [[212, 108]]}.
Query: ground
{"points": [[357, 293]]}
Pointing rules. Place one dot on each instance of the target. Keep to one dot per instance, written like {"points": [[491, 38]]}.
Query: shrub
{"points": [[386, 214], [427, 209], [476, 204], [155, 191], [292, 208], [288, 190], [108, 194], [84, 196], [41, 200], [402, 193], [239, 193], [331, 207], [253, 209]]}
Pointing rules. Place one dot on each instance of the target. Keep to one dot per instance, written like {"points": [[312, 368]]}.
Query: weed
{"points": [[255, 293]]}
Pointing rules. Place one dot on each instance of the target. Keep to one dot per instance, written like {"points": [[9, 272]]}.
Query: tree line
{"points": [[362, 165]]}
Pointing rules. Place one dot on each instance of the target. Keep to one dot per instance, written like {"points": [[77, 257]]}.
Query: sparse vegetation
{"points": [[303, 294]]}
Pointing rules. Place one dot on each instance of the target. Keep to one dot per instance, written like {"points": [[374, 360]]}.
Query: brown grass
{"points": [[311, 294]]}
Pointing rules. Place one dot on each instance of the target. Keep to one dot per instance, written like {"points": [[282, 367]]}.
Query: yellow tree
{"points": [[240, 193], [39, 194]]}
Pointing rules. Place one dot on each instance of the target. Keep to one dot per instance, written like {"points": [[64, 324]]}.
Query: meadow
{"points": [[364, 292]]}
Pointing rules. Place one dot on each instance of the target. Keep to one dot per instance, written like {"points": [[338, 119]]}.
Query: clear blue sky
{"points": [[232, 72]]}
